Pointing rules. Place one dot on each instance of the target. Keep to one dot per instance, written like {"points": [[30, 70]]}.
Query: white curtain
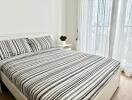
{"points": [[105, 29], [123, 39], [94, 26]]}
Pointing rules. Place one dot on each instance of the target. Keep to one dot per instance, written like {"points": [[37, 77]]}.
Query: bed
{"points": [[57, 74]]}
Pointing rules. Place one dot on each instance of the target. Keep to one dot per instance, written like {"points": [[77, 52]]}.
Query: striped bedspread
{"points": [[56, 74]]}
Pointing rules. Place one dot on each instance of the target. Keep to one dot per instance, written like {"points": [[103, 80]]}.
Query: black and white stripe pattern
{"points": [[41, 43], [1, 56], [14, 47], [56, 74]]}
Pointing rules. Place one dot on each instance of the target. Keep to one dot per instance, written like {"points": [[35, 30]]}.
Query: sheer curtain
{"points": [[105, 29], [123, 39], [94, 26]]}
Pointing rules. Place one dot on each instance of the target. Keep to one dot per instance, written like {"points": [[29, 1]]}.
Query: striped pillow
{"points": [[14, 47], [41, 43]]}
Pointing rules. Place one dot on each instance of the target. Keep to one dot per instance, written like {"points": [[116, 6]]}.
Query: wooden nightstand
{"points": [[65, 46]]}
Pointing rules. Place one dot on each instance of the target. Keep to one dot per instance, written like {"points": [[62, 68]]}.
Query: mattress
{"points": [[57, 74]]}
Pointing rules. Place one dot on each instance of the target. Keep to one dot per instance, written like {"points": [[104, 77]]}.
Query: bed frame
{"points": [[105, 94], [8, 36]]}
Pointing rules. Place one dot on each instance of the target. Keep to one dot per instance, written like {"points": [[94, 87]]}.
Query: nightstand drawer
{"points": [[65, 46]]}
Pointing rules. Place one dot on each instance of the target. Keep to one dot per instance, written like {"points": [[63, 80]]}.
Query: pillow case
{"points": [[14, 47], [41, 43]]}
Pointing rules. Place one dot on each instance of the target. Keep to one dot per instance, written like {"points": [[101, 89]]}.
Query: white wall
{"points": [[51, 16], [17, 16], [71, 21]]}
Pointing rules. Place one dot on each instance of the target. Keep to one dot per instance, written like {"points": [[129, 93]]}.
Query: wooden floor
{"points": [[123, 93], [125, 90], [6, 95]]}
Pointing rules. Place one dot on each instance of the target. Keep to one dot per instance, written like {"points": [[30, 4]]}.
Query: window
{"points": [[94, 26]]}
